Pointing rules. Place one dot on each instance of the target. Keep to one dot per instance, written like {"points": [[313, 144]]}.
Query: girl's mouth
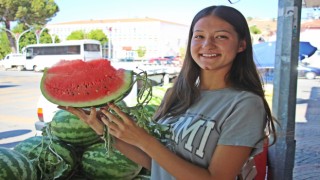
{"points": [[210, 55]]}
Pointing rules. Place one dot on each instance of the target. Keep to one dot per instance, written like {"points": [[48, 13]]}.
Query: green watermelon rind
{"points": [[96, 164], [123, 91], [41, 156], [15, 165], [70, 129]]}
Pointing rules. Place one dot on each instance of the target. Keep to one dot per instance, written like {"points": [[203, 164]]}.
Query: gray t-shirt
{"points": [[226, 117]]}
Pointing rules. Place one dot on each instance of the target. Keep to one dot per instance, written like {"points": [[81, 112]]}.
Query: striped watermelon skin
{"points": [[15, 166], [37, 149], [96, 164], [70, 129]]}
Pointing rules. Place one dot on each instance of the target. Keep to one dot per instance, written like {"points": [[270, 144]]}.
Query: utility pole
{"points": [[282, 154]]}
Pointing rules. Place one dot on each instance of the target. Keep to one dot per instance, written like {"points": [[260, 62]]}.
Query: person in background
{"points": [[261, 40], [216, 110]]}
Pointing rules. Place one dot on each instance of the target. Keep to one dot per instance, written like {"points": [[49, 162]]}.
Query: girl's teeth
{"points": [[209, 55]]}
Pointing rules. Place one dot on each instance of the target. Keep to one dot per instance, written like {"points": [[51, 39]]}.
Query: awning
{"points": [[264, 53]]}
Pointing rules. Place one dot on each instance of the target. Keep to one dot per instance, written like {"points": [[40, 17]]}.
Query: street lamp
{"points": [[233, 1], [53, 38], [17, 36], [38, 34], [109, 30]]}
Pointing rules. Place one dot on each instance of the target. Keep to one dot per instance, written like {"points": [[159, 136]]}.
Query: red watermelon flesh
{"points": [[79, 83]]}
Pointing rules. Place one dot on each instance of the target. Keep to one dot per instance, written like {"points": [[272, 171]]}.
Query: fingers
{"points": [[111, 120], [110, 124], [72, 110], [93, 113], [123, 115]]}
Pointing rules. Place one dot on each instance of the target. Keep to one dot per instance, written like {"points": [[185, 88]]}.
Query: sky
{"points": [[180, 11]]}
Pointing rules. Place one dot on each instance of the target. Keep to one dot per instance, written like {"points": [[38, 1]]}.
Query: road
{"points": [[19, 93]]}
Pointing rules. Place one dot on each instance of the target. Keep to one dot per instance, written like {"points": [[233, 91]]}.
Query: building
{"points": [[310, 31], [159, 38], [268, 29]]}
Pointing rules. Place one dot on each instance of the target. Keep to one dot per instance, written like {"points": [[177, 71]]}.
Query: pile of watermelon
{"points": [[61, 154], [15, 165], [68, 147]]}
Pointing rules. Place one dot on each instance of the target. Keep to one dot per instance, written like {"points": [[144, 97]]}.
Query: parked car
{"points": [[17, 61], [166, 60], [45, 112], [304, 71], [308, 71], [176, 60], [158, 60]]}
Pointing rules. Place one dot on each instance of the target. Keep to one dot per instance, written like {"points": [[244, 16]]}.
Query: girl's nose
{"points": [[209, 43]]}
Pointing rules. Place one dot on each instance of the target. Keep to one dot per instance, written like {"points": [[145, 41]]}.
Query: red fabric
{"points": [[261, 163]]}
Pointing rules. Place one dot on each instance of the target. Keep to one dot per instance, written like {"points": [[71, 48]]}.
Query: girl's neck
{"points": [[210, 81]]}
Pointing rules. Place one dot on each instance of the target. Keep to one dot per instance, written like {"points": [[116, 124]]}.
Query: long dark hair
{"points": [[243, 74]]}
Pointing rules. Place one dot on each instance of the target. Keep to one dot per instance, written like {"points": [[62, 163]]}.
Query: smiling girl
{"points": [[216, 110]]}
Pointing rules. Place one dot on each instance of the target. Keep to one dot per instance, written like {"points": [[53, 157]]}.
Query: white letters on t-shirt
{"points": [[189, 130]]}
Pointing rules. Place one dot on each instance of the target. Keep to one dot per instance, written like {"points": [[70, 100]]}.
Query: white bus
{"points": [[41, 56]]}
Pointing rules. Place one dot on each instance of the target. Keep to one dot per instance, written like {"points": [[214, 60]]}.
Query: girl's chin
{"points": [[207, 68]]}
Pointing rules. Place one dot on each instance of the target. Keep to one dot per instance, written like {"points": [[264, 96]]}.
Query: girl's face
{"points": [[215, 44]]}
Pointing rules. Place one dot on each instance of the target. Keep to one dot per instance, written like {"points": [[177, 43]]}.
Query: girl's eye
{"points": [[221, 37], [198, 36]]}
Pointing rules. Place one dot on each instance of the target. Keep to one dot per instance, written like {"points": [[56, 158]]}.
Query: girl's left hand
{"points": [[125, 128], [89, 117]]}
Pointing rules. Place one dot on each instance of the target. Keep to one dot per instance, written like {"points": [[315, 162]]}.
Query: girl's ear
{"points": [[242, 46]]}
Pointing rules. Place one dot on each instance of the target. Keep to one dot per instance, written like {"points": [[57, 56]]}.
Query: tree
{"points": [[249, 18], [4, 48], [76, 35], [255, 30], [47, 38], [96, 34], [182, 52], [141, 51], [27, 12], [28, 38], [99, 35]]}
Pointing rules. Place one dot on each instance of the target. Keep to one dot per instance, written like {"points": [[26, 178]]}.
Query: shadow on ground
{"points": [[11, 134], [307, 135]]}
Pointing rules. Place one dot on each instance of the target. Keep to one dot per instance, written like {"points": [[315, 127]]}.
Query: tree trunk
{"points": [[11, 37]]}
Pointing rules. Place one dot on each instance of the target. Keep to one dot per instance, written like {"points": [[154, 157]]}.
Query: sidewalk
{"points": [[307, 131]]}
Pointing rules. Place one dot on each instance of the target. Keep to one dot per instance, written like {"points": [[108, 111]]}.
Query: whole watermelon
{"points": [[54, 160], [15, 166], [80, 83], [97, 164], [70, 129]]}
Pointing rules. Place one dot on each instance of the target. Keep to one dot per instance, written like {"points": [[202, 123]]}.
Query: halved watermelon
{"points": [[78, 83]]}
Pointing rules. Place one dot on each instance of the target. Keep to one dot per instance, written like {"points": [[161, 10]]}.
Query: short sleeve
{"points": [[245, 125]]}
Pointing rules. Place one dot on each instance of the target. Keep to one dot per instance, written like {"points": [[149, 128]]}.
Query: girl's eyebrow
{"points": [[221, 30]]}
